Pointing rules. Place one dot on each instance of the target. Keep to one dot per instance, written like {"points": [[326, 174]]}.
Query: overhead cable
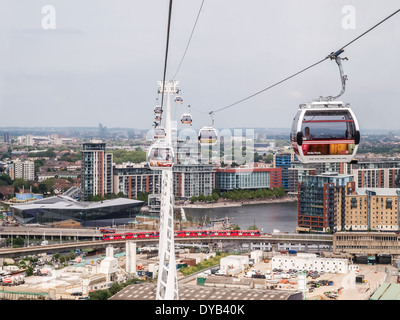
{"points": [[311, 66], [190, 38], [166, 52]]}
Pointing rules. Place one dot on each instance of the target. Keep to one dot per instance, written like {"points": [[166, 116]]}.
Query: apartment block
{"points": [[372, 209], [248, 178], [321, 201], [132, 179], [96, 176], [284, 161], [193, 180], [22, 170]]}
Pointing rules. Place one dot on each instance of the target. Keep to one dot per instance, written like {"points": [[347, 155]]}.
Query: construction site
{"points": [[259, 273]]}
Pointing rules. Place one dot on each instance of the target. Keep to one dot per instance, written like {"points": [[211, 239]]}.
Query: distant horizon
{"points": [[133, 128]]}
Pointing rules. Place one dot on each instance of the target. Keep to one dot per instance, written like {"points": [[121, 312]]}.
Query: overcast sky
{"points": [[102, 61]]}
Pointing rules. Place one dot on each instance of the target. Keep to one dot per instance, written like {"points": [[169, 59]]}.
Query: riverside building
{"points": [[371, 209], [248, 178], [331, 202], [368, 173], [193, 180], [284, 160], [321, 201]]}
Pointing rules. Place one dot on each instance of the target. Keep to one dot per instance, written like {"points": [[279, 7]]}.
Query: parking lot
{"points": [[325, 286], [328, 286]]}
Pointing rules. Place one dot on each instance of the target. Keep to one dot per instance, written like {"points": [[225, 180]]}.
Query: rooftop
{"points": [[379, 191], [147, 291], [65, 202], [387, 291]]}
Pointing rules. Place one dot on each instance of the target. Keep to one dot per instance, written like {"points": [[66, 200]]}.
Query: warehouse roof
{"points": [[387, 291], [147, 291]]}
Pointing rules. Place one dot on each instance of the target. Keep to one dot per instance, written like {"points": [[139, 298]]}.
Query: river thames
{"points": [[267, 217]]}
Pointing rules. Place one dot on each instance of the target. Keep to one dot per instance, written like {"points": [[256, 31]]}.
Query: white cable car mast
{"points": [[167, 283]]}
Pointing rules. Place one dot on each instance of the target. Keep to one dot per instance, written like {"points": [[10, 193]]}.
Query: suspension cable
{"points": [[190, 38], [275, 84], [166, 54], [311, 66]]}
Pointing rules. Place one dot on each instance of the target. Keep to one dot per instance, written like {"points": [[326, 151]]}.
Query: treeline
{"points": [[97, 197], [207, 263], [105, 294], [241, 194], [120, 156], [43, 187], [379, 148]]}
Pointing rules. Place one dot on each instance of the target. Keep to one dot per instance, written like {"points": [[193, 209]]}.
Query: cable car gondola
{"points": [[325, 131], [186, 118], [159, 133], [178, 99], [160, 156], [208, 136], [157, 118], [157, 110]]}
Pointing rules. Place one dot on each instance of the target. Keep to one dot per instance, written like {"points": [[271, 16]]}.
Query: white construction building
{"points": [[130, 262], [309, 262], [234, 262], [109, 265]]}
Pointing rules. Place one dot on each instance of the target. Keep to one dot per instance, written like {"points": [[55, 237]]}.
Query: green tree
{"points": [[143, 196], [99, 295], [5, 180], [18, 242], [42, 188], [253, 227], [115, 288], [121, 156], [38, 163], [215, 196], [21, 183]]}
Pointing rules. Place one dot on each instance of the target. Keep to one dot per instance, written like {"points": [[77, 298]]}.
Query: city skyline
{"points": [[101, 61]]}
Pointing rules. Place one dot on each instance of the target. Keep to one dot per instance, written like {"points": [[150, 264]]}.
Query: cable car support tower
{"points": [[167, 284]]}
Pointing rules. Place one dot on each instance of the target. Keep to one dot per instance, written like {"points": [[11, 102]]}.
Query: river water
{"points": [[267, 217]]}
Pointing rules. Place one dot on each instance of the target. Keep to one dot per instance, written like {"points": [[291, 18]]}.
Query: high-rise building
{"points": [[96, 178], [321, 201], [22, 170], [29, 140], [6, 137], [284, 160]]}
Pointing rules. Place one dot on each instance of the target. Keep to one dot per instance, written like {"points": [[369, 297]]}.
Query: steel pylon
{"points": [[167, 283]]}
